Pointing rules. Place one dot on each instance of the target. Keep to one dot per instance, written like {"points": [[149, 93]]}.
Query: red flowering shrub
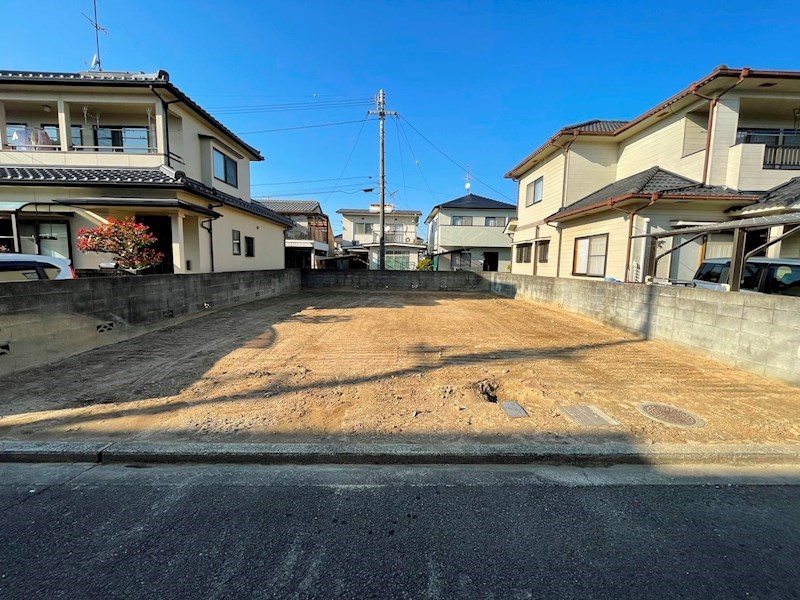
{"points": [[4, 248], [127, 240]]}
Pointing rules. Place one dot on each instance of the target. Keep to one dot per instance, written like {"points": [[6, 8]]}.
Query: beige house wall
{"points": [[591, 165], [269, 242], [614, 224], [552, 172], [409, 223]]}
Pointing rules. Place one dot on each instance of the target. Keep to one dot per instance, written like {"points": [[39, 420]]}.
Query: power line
{"points": [[299, 127], [442, 152], [416, 160], [268, 108], [312, 193], [350, 156], [309, 181]]}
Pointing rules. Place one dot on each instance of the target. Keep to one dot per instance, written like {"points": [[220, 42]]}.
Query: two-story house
{"points": [[361, 236], [311, 238], [699, 157], [79, 148], [468, 233]]}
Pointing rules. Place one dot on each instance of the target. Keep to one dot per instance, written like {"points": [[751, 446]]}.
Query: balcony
{"points": [[472, 236], [395, 237], [781, 157], [307, 234]]}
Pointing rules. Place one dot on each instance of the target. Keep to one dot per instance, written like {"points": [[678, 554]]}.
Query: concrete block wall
{"points": [[46, 321], [419, 281], [756, 332]]}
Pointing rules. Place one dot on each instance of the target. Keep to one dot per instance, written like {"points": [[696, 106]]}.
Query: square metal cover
{"points": [[588, 416], [513, 409]]}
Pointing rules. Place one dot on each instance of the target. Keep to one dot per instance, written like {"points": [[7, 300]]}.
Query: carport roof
{"points": [[138, 202], [748, 223]]}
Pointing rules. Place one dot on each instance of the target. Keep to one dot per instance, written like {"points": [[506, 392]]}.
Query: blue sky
{"points": [[486, 82]]}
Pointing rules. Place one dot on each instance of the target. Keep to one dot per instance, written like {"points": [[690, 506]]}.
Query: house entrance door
{"points": [[490, 261], [161, 227]]}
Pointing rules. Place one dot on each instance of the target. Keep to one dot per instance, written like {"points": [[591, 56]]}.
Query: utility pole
{"points": [[382, 112]]}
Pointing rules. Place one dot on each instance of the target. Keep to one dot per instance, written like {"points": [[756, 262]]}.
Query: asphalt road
{"points": [[82, 531]]}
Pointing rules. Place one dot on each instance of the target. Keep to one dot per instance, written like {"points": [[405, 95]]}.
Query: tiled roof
{"points": [[364, 211], [83, 175], [473, 201], [159, 79], [153, 178], [782, 196], [653, 180], [597, 125], [292, 207]]}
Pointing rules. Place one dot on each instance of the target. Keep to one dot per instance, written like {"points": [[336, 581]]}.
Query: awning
{"points": [[749, 223], [11, 206], [139, 203]]}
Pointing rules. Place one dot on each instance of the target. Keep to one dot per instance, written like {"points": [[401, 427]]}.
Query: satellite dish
{"points": [[467, 186], [94, 61]]}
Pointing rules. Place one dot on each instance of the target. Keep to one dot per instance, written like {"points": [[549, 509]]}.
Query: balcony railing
{"points": [[28, 139], [129, 140], [781, 157], [303, 233], [395, 237]]}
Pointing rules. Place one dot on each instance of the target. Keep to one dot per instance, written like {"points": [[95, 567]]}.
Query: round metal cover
{"points": [[670, 415]]}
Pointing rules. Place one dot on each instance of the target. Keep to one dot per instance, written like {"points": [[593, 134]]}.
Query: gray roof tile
{"points": [[782, 196], [154, 178], [475, 202], [597, 125], [292, 207], [653, 180]]}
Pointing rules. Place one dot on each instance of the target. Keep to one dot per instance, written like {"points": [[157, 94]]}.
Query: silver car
{"points": [[27, 267], [765, 275]]}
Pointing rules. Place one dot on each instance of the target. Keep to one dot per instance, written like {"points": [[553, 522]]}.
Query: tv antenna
{"points": [[96, 64]]}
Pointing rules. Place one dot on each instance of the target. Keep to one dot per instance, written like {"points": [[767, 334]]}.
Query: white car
{"points": [[765, 275], [27, 267]]}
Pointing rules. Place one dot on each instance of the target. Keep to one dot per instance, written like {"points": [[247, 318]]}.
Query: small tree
{"points": [[127, 240], [426, 264]]}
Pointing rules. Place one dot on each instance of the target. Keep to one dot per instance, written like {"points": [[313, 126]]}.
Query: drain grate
{"points": [[670, 415], [513, 409], [588, 416]]}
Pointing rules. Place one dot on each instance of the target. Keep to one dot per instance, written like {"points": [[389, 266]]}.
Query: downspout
{"points": [[711, 109], [631, 215], [564, 180], [165, 106], [210, 230]]}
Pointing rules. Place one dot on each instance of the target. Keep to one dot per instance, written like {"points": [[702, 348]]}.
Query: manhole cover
{"points": [[670, 415], [513, 409], [588, 416]]}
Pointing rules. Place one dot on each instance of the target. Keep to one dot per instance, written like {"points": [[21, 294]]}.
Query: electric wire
{"points": [[349, 157], [443, 153], [288, 107], [310, 181], [299, 127], [416, 160]]}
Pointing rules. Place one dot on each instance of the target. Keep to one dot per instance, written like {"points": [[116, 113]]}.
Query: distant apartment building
{"points": [[79, 148], [725, 147], [361, 237], [468, 234], [311, 238]]}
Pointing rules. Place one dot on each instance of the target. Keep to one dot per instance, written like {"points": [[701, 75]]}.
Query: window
{"points": [[590, 256], [122, 139], [534, 191], [543, 251], [461, 221], [524, 253], [363, 228], [714, 272], [53, 133], [249, 246], [462, 260], [237, 242], [784, 280], [225, 169], [495, 221], [6, 234]]}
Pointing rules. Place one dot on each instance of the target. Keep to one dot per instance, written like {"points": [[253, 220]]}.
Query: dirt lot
{"points": [[342, 366]]}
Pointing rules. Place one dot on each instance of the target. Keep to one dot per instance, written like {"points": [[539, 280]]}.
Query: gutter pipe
{"points": [[713, 102]]}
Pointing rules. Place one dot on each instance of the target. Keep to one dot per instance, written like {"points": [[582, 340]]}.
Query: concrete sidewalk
{"points": [[584, 455]]}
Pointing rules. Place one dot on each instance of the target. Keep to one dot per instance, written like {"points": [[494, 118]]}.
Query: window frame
{"points": [[588, 239], [249, 246], [236, 239], [227, 162], [546, 245], [523, 253], [530, 192], [467, 220], [497, 221]]}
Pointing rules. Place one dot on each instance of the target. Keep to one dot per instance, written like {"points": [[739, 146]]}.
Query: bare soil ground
{"points": [[324, 366]]}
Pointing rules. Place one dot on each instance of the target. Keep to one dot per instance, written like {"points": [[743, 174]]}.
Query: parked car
{"points": [[765, 275], [25, 267]]}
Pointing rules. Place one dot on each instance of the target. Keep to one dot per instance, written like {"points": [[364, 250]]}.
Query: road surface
{"points": [[83, 531]]}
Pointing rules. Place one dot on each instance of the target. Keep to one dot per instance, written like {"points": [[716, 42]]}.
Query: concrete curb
{"points": [[584, 455]]}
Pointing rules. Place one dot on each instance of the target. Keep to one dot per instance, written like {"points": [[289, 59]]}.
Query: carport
{"points": [[740, 228]]}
